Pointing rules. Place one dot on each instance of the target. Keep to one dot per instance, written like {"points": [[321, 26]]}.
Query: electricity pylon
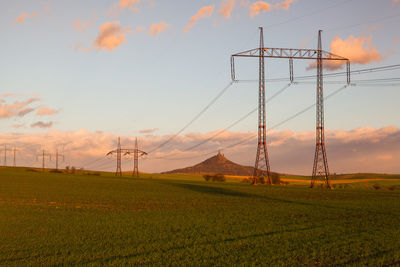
{"points": [[320, 169], [127, 151], [136, 154], [58, 156], [15, 157], [5, 153], [44, 154]]}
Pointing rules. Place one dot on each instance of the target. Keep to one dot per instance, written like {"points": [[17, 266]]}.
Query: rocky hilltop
{"points": [[216, 164]]}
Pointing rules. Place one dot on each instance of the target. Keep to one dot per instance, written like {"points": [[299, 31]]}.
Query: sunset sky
{"points": [[80, 73]]}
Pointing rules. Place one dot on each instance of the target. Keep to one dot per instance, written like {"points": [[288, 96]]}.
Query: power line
{"points": [[195, 118], [271, 128]]}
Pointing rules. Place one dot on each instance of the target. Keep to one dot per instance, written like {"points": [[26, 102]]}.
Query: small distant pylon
{"points": [[15, 156], [44, 154], [5, 154], [58, 155], [118, 172], [127, 151], [136, 154]]}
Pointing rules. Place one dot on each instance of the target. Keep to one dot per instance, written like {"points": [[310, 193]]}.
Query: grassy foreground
{"points": [[61, 219]]}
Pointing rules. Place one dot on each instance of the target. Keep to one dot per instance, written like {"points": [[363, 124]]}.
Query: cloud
{"points": [[260, 6], [121, 6], [16, 109], [21, 18], [43, 125], [226, 8], [395, 1], [111, 36], [157, 28], [290, 152], [17, 126], [82, 26], [359, 50], [148, 131], [45, 111], [204, 12], [128, 3]]}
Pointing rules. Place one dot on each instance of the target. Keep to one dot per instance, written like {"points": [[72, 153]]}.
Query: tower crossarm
{"points": [[290, 53]]}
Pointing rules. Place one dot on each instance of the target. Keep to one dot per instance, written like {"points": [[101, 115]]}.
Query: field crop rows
{"points": [[56, 219]]}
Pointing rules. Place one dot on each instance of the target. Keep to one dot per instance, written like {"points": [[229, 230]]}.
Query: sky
{"points": [[75, 75]]}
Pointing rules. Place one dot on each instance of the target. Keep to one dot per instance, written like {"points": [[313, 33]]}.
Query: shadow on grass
{"points": [[182, 247]]}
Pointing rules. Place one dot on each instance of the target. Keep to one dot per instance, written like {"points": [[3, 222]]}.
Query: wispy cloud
{"points": [[43, 125], [226, 8], [121, 5], [21, 18], [148, 131], [46, 111], [157, 28], [82, 26], [204, 12], [16, 109], [262, 7]]}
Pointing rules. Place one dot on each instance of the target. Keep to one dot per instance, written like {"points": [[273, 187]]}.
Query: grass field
{"points": [[64, 219]]}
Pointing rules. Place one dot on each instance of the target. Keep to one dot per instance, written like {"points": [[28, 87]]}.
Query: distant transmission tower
{"points": [[127, 151], [43, 155], [5, 153], [320, 169], [58, 156], [15, 157], [136, 154]]}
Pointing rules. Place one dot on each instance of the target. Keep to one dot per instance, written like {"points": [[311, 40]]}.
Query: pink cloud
{"points": [[21, 18], [261, 6], [43, 111], [111, 36], [82, 26], [258, 7], [148, 131], [204, 12], [290, 152], [226, 8], [359, 50], [157, 28], [43, 125], [16, 109]]}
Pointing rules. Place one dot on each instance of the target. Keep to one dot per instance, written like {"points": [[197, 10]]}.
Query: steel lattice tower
{"points": [[127, 151], [320, 168], [119, 170], [261, 166], [136, 161]]}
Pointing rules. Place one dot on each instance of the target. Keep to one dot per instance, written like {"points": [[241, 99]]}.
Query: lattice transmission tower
{"points": [[43, 155], [127, 151], [262, 167]]}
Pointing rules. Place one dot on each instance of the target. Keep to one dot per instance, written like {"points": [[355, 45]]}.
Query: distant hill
{"points": [[216, 164]]}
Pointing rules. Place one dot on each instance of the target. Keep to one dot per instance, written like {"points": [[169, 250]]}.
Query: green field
{"points": [[65, 219]]}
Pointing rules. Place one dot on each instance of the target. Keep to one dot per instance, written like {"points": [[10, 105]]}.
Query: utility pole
{"points": [[44, 154], [320, 169], [57, 156], [127, 151]]}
